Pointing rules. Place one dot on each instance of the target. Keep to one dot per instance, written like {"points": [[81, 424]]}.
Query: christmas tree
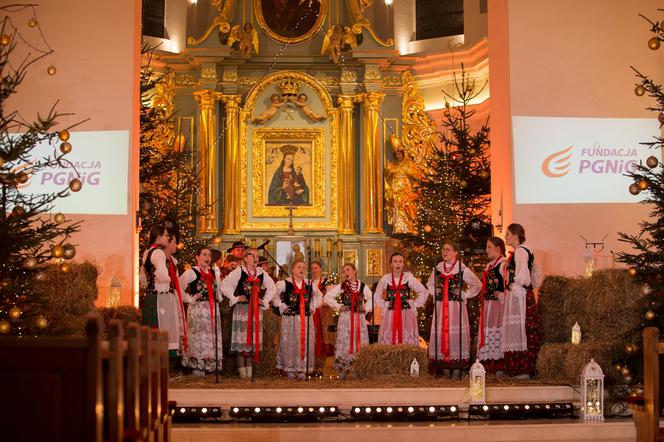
{"points": [[454, 185], [646, 262], [168, 175], [31, 238]]}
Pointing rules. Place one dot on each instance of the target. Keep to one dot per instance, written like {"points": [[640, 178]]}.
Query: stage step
{"points": [[619, 430]]}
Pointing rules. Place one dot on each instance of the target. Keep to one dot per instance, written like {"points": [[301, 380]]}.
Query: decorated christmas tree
{"points": [[168, 174], [454, 185], [31, 238], [646, 261]]}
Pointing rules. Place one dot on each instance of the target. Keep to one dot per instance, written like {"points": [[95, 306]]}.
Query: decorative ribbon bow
{"points": [[355, 333], [397, 330], [300, 292]]}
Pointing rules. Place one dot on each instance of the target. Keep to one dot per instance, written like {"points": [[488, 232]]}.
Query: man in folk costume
{"points": [[158, 306], [491, 311], [399, 294], [520, 340], [296, 300], [244, 288], [447, 282], [237, 250], [204, 337], [322, 317], [352, 298]]}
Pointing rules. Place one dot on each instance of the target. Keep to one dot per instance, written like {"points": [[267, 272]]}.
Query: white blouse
{"points": [[330, 297], [413, 283], [229, 284]]}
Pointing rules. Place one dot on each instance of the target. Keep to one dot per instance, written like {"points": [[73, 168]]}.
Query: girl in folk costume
{"points": [[491, 310], [399, 294], [353, 299], [322, 317], [200, 285], [172, 265], [244, 288], [296, 300], [158, 306], [519, 332], [446, 285]]}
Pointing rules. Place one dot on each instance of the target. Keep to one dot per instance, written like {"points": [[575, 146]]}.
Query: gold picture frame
{"points": [[306, 36], [269, 147]]}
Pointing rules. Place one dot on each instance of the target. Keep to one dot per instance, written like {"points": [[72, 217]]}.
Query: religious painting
{"points": [[291, 21], [288, 171]]}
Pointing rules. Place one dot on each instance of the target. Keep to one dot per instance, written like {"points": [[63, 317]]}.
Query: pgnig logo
{"points": [[596, 160], [89, 172]]}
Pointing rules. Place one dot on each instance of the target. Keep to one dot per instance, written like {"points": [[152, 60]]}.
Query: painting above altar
{"points": [[291, 21]]}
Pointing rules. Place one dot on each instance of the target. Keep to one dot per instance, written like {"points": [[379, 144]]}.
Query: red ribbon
{"points": [[207, 277], [318, 323], [300, 292], [253, 321], [354, 317], [154, 246], [175, 285], [397, 329], [445, 323]]}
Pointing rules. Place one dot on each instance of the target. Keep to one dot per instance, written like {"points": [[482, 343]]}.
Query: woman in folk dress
{"points": [[296, 300], [203, 320], [352, 298], [491, 313], [446, 285], [399, 294]]}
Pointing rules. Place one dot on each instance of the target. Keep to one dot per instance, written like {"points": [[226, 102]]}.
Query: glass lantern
{"points": [[576, 334], [592, 392], [477, 383]]}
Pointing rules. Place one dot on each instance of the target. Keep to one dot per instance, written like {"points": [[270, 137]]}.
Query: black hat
{"points": [[236, 244], [262, 260]]}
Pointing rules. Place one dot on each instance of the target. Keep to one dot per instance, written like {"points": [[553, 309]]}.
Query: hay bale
{"points": [[579, 355], [558, 306], [123, 313], [381, 360], [65, 298], [551, 361], [268, 361]]}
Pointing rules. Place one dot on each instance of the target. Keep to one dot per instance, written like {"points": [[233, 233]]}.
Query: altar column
{"points": [[206, 100], [346, 164], [231, 163], [373, 201]]}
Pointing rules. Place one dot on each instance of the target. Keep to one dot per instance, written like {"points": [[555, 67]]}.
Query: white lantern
{"points": [[477, 383], [576, 334], [592, 392], [414, 368]]}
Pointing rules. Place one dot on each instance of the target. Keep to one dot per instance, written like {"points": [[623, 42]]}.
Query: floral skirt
{"points": [[200, 338], [410, 331], [239, 329], [525, 362], [290, 358], [343, 358], [490, 352]]}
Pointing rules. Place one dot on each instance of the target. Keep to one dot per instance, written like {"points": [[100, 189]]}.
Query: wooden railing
{"points": [[86, 389]]}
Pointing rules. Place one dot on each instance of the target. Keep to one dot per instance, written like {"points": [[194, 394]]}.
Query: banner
{"points": [[578, 160], [100, 160]]}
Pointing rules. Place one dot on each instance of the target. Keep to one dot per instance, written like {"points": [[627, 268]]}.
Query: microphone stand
{"points": [[269, 255], [216, 330], [373, 313], [460, 318], [249, 316], [306, 314], [435, 319]]}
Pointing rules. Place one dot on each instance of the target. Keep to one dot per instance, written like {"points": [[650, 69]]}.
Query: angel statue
{"points": [[277, 102], [400, 197], [301, 101], [247, 37], [336, 38]]}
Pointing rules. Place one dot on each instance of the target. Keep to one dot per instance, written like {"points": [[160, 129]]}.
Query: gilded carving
{"points": [[372, 75], [337, 39], [418, 132], [350, 256], [209, 73], [248, 81], [348, 77], [220, 21], [392, 81], [185, 80], [330, 81], [374, 262], [357, 8], [230, 76]]}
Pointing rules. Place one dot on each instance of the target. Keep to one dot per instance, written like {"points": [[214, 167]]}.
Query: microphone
{"points": [[262, 246]]}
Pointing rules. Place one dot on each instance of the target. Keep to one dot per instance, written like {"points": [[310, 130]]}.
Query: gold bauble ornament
{"points": [[484, 174], [463, 184], [634, 189], [51, 70], [65, 147], [639, 91], [30, 262], [660, 118], [15, 313], [65, 267], [650, 315], [22, 177], [59, 218], [41, 322], [57, 251], [618, 367], [4, 327], [5, 39], [624, 371], [447, 113], [5, 283], [652, 161], [70, 251], [427, 228], [18, 212], [180, 246], [643, 184], [33, 22], [629, 348], [654, 43], [646, 289], [75, 185], [632, 271], [63, 135]]}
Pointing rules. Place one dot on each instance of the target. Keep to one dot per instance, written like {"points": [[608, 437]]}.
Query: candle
{"points": [[317, 245], [329, 245], [340, 246]]}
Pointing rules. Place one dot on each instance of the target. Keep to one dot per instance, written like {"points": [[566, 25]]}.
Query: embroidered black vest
{"points": [[245, 288], [346, 296], [511, 267], [198, 285], [455, 284], [292, 300], [149, 270], [494, 283], [390, 295]]}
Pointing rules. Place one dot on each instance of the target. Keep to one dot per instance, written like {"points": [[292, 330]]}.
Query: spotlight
{"points": [[322, 409], [357, 409], [183, 410], [235, 410], [367, 410], [389, 409], [411, 409], [453, 409], [278, 410], [485, 408], [311, 409], [527, 407], [300, 409], [257, 410], [432, 409], [203, 410], [332, 409], [506, 407], [379, 410]]}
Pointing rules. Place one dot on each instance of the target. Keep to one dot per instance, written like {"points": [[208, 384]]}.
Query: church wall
{"points": [[97, 78], [582, 72]]}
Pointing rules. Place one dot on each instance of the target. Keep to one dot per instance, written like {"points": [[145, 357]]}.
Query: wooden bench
{"points": [[86, 389], [647, 408]]}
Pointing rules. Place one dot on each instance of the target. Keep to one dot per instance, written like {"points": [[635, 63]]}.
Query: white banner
{"points": [[101, 160], [578, 160]]}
